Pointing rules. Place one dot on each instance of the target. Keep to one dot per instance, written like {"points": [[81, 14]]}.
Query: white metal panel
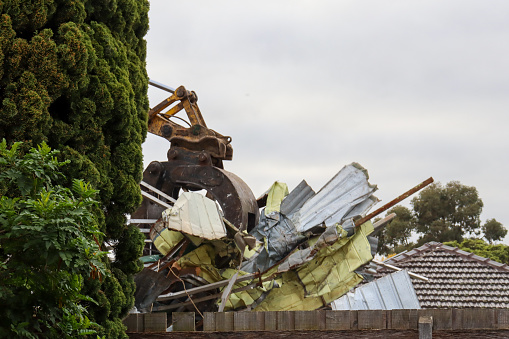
{"points": [[196, 215], [394, 291], [348, 189]]}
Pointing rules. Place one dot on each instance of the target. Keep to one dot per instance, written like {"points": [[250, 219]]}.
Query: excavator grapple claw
{"points": [[195, 163]]}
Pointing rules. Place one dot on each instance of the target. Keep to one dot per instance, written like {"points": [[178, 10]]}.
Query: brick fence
{"points": [[442, 319]]}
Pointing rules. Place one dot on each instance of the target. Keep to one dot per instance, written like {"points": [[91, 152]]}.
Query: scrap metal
{"points": [[218, 251], [394, 291]]}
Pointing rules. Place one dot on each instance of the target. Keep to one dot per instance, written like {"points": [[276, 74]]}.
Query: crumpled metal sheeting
{"points": [[326, 270], [275, 230], [248, 297], [279, 237], [164, 240], [296, 199], [360, 209], [394, 291], [348, 188], [204, 258], [333, 236], [277, 192], [373, 241], [196, 215], [290, 296], [328, 275]]}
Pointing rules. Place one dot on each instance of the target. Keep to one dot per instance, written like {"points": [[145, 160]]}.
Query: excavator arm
{"points": [[197, 136]]}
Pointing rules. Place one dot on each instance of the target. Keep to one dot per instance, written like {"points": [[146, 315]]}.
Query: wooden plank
{"points": [[425, 327], [155, 322], [354, 320], [224, 321], [134, 322], [457, 318], [209, 322], [473, 318], [502, 317], [388, 318], [403, 320], [442, 318], [339, 320], [183, 321], [321, 320], [372, 319], [245, 321], [285, 320], [270, 319], [260, 321], [310, 320]]}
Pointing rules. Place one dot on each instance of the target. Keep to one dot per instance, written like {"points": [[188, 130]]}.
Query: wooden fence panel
{"points": [[224, 321], [209, 321], [155, 322], [310, 320], [372, 319], [502, 319], [134, 322], [402, 319], [340, 320], [248, 321], [286, 320], [270, 320], [183, 321], [442, 318], [477, 318]]}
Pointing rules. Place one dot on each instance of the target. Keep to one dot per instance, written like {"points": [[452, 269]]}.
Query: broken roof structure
{"points": [[215, 251], [457, 279], [307, 249]]}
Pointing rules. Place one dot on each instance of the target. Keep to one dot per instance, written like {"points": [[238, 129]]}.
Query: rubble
{"points": [[307, 250], [220, 249]]}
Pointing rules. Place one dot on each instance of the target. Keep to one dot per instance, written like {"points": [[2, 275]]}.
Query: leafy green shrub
{"points": [[48, 244]]}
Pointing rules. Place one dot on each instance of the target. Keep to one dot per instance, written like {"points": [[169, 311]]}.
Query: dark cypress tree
{"points": [[72, 74]]}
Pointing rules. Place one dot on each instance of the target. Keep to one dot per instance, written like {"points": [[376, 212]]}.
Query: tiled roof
{"points": [[457, 279]]}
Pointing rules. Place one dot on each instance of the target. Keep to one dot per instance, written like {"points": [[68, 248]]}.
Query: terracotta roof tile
{"points": [[456, 278]]}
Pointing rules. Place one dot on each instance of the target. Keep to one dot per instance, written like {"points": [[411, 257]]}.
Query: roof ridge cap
{"points": [[472, 257], [432, 245], [409, 253]]}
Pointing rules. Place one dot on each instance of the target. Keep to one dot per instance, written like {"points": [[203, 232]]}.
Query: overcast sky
{"points": [[408, 89]]}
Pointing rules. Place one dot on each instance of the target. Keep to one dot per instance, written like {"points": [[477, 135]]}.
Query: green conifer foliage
{"points": [[72, 74]]}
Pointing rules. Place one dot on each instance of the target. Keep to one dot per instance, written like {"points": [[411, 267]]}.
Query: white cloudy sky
{"points": [[408, 89]]}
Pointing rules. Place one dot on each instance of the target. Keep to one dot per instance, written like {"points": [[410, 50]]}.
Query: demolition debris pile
{"points": [[307, 250], [226, 250]]}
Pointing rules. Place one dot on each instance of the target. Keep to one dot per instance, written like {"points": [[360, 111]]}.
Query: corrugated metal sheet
{"points": [[348, 191], [297, 197], [196, 215], [394, 291]]}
